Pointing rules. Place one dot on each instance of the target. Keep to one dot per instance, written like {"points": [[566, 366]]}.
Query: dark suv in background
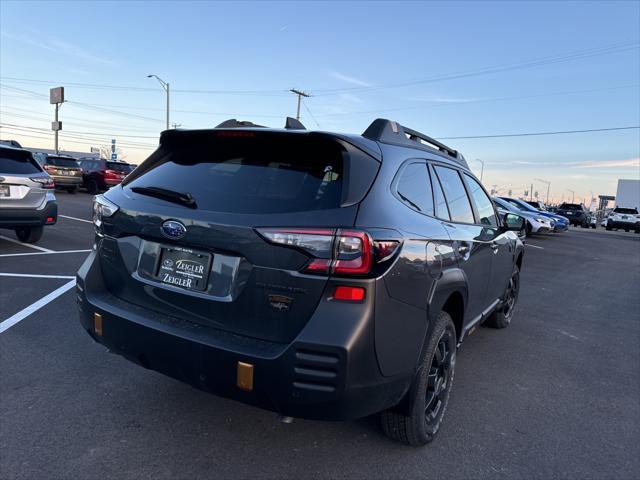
{"points": [[99, 174], [319, 275], [577, 214], [64, 170]]}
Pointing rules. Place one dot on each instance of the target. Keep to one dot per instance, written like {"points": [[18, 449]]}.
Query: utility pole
{"points": [[56, 97], [165, 86], [482, 170], [531, 193], [300, 94], [548, 186]]}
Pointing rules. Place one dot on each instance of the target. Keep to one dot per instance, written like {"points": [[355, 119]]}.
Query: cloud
{"points": [[630, 163], [444, 99], [347, 97], [352, 80], [58, 46]]}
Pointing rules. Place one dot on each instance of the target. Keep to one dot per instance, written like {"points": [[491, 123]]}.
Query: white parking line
{"points": [[24, 313], [534, 246], [74, 218], [35, 247], [42, 253], [29, 275]]}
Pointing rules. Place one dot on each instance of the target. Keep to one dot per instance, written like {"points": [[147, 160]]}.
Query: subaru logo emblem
{"points": [[173, 229]]}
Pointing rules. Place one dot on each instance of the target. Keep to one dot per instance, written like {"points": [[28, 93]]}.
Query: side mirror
{"points": [[513, 222]]}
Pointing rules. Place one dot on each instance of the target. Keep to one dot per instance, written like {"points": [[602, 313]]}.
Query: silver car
{"points": [[27, 201], [535, 223]]}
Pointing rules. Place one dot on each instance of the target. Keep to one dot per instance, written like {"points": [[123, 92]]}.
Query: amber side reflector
{"points": [[245, 376], [97, 324]]}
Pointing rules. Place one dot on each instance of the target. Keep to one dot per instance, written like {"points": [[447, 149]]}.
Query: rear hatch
{"points": [[233, 187], [63, 167], [21, 180], [116, 172]]}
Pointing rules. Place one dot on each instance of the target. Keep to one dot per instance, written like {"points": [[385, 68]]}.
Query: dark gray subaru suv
{"points": [[319, 275]]}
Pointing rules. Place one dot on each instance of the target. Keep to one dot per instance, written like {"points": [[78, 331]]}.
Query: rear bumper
{"points": [[329, 372], [29, 217], [112, 181], [629, 225], [561, 227], [67, 181]]}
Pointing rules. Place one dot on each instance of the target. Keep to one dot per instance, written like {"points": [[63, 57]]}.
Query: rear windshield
{"points": [[119, 166], [631, 211], [62, 162], [571, 206], [256, 174], [17, 162]]}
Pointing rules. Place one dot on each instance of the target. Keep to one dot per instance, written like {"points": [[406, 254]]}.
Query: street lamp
{"points": [[165, 85], [482, 170], [548, 186], [573, 195]]}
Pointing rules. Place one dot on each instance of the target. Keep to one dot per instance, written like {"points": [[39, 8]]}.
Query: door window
{"points": [[456, 195]]}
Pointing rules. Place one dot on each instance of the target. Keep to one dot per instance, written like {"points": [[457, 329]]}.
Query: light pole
{"points": [[165, 85], [482, 169], [548, 186], [573, 195]]}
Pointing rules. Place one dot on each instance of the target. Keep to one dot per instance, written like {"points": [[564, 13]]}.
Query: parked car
{"points": [[537, 204], [535, 222], [64, 170], [577, 214], [99, 174], [27, 201], [561, 224], [320, 275], [624, 218]]}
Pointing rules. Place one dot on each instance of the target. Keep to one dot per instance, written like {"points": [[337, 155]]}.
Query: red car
{"points": [[100, 174]]}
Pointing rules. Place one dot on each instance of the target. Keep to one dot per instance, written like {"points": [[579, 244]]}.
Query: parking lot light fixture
{"points": [[165, 86], [548, 187], [573, 195]]}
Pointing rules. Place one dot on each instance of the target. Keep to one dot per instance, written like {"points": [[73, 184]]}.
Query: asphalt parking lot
{"points": [[556, 395]]}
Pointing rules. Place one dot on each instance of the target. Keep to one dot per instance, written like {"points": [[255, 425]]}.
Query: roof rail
{"points": [[233, 123], [387, 131]]}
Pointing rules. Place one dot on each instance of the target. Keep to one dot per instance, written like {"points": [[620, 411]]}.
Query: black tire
{"points": [[92, 186], [29, 234], [626, 229], [72, 190], [529, 229], [501, 318], [429, 394], [594, 226], [608, 228]]}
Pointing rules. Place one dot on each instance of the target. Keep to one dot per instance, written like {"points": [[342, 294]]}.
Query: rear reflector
{"points": [[97, 324], [349, 294], [245, 376]]}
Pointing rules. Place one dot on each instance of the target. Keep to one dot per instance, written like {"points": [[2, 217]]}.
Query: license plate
{"points": [[184, 268], [4, 190], [624, 217], [65, 172]]}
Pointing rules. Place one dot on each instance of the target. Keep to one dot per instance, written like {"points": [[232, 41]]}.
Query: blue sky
{"points": [[426, 65]]}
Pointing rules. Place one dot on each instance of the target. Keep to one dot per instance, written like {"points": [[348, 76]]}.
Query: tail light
{"points": [[342, 252], [45, 182], [112, 174]]}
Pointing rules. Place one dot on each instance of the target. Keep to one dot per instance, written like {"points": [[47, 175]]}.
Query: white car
{"points": [[623, 218]]}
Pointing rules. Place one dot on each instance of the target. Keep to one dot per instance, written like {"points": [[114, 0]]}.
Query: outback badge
{"points": [[281, 303], [173, 229]]}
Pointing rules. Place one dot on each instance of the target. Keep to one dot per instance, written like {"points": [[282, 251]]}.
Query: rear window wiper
{"points": [[169, 195]]}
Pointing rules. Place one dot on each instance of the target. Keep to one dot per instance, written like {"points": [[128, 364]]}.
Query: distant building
{"points": [[63, 152]]}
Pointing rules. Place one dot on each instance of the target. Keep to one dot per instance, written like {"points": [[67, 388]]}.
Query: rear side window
{"points": [[482, 202], [245, 172], [414, 188], [456, 195], [629, 211], [62, 162], [17, 162]]}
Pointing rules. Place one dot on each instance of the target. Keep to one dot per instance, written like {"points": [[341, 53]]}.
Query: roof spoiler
{"points": [[387, 131], [290, 124]]}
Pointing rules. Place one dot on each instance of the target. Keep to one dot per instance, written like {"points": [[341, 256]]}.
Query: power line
{"points": [[546, 60], [564, 132], [310, 114]]}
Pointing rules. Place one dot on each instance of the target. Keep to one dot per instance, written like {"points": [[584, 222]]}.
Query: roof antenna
{"points": [[293, 124]]}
